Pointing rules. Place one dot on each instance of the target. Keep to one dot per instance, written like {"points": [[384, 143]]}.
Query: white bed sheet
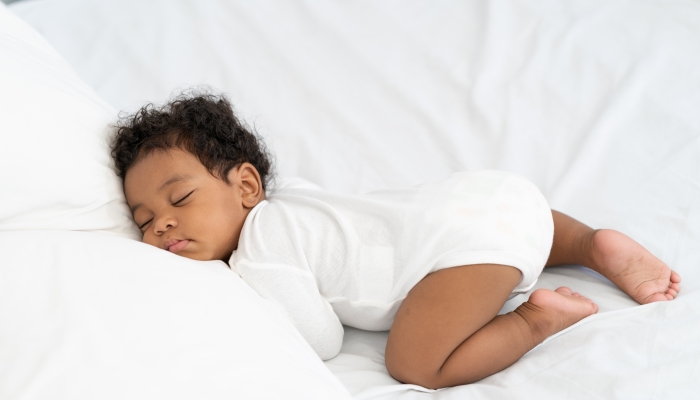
{"points": [[595, 101], [154, 326]]}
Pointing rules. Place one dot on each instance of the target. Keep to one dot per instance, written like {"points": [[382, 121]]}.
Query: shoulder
{"points": [[267, 235]]}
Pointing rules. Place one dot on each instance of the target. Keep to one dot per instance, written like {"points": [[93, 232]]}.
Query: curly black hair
{"points": [[201, 123]]}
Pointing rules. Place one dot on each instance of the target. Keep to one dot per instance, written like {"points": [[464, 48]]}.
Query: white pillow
{"points": [[54, 158], [91, 316]]}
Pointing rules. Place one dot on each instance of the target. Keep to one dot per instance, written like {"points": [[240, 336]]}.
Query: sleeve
{"points": [[296, 293]]}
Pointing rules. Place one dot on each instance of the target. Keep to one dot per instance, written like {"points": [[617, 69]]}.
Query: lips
{"points": [[175, 245]]}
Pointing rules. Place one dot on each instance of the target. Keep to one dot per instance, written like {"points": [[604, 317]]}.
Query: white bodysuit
{"points": [[329, 259]]}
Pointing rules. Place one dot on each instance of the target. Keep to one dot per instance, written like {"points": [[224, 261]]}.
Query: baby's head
{"points": [[192, 172]]}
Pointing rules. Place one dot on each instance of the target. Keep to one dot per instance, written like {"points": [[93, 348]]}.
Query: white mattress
{"points": [[596, 102]]}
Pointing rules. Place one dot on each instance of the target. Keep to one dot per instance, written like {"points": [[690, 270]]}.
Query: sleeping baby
{"points": [[433, 264]]}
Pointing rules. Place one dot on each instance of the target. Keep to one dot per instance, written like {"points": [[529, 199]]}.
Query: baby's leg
{"points": [[625, 262], [447, 331]]}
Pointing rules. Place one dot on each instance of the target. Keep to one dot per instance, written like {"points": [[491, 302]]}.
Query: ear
{"points": [[250, 184]]}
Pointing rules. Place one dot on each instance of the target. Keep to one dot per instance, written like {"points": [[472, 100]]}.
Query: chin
{"points": [[199, 256], [194, 256]]}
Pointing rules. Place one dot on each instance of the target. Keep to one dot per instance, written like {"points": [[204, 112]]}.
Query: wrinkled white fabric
{"points": [[328, 259], [92, 316], [86, 315], [55, 168], [594, 101]]}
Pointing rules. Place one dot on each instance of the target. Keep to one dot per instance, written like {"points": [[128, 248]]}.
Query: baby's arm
{"points": [[296, 293]]}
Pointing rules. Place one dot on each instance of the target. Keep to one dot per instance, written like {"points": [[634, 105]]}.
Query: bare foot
{"points": [[632, 268], [562, 308]]}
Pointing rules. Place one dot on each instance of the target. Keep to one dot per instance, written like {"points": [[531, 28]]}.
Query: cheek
{"points": [[150, 238], [200, 222], [212, 220]]}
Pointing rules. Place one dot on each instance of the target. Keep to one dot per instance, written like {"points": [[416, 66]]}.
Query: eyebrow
{"points": [[175, 178]]}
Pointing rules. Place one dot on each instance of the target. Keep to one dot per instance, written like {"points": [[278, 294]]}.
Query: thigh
{"points": [[441, 312]]}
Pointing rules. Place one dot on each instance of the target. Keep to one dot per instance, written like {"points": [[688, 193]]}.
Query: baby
{"points": [[434, 264]]}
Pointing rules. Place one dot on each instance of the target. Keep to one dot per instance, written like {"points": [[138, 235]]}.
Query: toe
{"points": [[672, 293], [564, 290], [675, 278], [594, 307], [657, 297], [675, 287]]}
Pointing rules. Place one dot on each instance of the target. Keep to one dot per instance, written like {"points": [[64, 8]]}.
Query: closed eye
{"points": [[182, 199], [176, 203]]}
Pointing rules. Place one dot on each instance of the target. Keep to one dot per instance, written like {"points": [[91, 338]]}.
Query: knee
{"points": [[418, 370], [432, 378], [414, 377], [412, 371]]}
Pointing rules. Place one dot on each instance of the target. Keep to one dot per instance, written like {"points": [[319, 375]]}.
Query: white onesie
{"points": [[328, 259]]}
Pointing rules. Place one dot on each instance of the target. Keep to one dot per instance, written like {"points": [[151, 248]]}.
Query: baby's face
{"points": [[180, 207]]}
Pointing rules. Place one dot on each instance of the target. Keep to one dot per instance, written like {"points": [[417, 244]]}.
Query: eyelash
{"points": [[175, 204], [182, 199]]}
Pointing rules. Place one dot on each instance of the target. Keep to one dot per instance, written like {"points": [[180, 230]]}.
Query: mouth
{"points": [[176, 245]]}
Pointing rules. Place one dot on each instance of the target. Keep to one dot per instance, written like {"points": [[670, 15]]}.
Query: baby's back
{"points": [[366, 252]]}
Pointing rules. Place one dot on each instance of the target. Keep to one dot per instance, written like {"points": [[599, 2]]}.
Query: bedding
{"points": [[47, 114], [594, 101], [88, 315], [86, 311]]}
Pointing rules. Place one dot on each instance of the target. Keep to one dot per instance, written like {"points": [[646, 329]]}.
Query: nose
{"points": [[163, 224]]}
